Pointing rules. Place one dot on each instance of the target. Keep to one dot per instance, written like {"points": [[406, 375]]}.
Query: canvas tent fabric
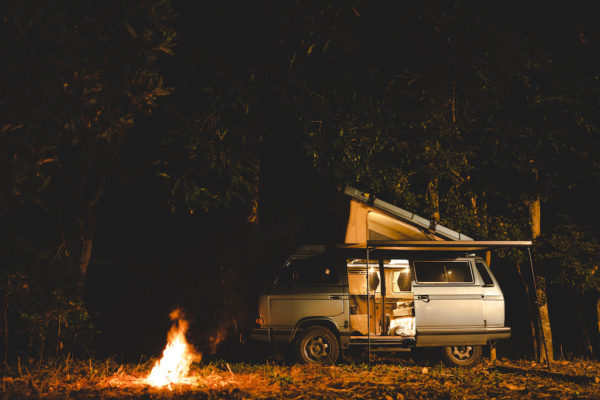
{"points": [[374, 219]]}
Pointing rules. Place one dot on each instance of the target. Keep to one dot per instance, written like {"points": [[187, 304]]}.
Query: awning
{"points": [[442, 246]]}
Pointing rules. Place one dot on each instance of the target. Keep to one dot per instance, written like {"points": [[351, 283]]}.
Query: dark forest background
{"points": [[156, 154]]}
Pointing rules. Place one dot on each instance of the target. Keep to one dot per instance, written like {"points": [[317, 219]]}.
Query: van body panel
{"points": [[287, 310], [442, 306], [493, 310], [493, 299], [460, 336]]}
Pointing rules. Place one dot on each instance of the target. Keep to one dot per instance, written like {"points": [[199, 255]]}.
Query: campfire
{"points": [[178, 356]]}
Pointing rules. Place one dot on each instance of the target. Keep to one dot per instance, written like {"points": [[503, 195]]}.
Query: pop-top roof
{"points": [[377, 225], [374, 219]]}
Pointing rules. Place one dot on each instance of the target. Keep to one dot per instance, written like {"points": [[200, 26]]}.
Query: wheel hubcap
{"points": [[317, 348], [462, 352]]}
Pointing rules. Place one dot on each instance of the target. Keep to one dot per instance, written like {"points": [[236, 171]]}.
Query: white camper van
{"points": [[398, 282], [401, 296]]}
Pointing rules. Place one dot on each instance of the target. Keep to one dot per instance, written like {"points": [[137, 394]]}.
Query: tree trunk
{"points": [[588, 349], [5, 322], [532, 315], [535, 215], [87, 228], [434, 198], [535, 221], [253, 215], [598, 321], [545, 321]]}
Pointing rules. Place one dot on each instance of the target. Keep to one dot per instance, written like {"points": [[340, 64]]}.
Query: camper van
{"points": [[329, 299], [399, 282]]}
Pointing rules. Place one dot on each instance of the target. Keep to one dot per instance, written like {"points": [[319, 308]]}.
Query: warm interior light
{"points": [[403, 326]]}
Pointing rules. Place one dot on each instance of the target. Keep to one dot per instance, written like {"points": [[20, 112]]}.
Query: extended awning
{"points": [[441, 246]]}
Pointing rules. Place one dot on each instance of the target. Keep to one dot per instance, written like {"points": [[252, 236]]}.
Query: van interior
{"points": [[391, 310]]}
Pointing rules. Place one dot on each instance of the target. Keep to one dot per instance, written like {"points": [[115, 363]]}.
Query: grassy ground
{"points": [[388, 378]]}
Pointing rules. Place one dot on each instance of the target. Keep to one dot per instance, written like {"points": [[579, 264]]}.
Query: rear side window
{"points": [[487, 279], [357, 283], [443, 271], [401, 281], [313, 271]]}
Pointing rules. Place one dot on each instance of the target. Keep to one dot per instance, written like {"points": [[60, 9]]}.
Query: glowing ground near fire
{"points": [[389, 378], [179, 373]]}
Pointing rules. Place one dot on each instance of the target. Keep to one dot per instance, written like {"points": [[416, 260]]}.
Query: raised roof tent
{"points": [[372, 219]]}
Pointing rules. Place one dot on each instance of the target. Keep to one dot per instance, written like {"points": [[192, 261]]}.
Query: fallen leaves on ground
{"points": [[387, 379]]}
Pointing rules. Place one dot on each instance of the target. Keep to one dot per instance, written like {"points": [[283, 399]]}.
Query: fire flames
{"points": [[174, 366]]}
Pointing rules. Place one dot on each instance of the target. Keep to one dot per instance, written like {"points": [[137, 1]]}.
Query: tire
{"points": [[462, 356], [317, 345]]}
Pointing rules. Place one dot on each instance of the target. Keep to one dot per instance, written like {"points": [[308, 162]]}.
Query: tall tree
{"points": [[77, 75]]}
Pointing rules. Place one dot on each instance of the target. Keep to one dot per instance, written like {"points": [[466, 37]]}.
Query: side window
{"points": [[459, 271], [357, 283], [487, 279], [443, 271], [401, 280], [430, 271], [313, 271], [374, 280]]}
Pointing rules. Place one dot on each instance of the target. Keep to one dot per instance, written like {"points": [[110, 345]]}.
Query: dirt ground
{"points": [[388, 378]]}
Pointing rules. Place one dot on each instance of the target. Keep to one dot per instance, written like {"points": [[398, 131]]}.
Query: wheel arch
{"points": [[315, 321]]}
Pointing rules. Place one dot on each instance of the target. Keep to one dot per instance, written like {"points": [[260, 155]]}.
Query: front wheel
{"points": [[462, 356], [317, 345]]}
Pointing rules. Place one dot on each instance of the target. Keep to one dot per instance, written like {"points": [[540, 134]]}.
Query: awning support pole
{"points": [[368, 311], [539, 317], [383, 291]]}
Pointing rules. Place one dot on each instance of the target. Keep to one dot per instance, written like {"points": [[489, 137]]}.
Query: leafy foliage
{"points": [[74, 86], [43, 314], [571, 256]]}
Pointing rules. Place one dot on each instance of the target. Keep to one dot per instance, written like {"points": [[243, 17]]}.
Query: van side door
{"points": [[447, 296]]}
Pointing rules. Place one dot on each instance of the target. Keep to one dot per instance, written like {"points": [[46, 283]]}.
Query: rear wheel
{"points": [[317, 345], [462, 356]]}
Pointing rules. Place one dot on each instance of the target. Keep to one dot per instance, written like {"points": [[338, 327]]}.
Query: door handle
{"points": [[334, 297], [423, 297]]}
